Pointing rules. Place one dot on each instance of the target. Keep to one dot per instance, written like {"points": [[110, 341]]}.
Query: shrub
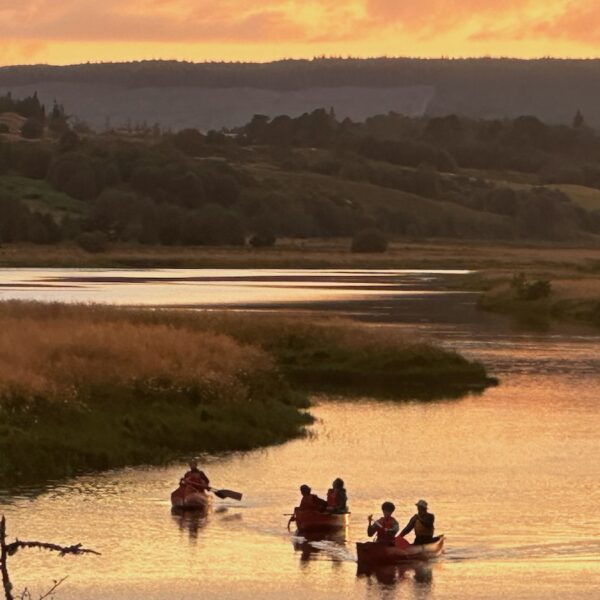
{"points": [[530, 290], [32, 129], [369, 240], [92, 241], [262, 240]]}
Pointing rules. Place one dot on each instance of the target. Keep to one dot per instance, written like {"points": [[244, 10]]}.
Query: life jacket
{"points": [[385, 533], [422, 530], [310, 502], [197, 478]]}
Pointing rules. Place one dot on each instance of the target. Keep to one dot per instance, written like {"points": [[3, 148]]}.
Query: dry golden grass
{"points": [[577, 289], [55, 355], [315, 253], [79, 345]]}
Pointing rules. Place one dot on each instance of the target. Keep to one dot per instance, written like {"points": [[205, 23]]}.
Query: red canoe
{"points": [[314, 521], [373, 553], [189, 498]]}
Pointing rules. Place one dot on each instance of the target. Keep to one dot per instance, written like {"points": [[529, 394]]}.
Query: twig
{"points": [[53, 588], [11, 549]]}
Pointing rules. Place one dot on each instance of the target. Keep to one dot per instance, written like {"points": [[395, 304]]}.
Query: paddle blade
{"points": [[227, 494]]}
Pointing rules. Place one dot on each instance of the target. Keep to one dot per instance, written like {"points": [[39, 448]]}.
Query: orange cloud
{"points": [[576, 21], [80, 30]]}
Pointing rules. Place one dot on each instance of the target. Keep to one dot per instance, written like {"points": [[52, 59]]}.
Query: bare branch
{"points": [[12, 548]]}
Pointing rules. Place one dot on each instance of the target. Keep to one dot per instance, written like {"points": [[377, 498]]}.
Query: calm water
{"points": [[512, 475]]}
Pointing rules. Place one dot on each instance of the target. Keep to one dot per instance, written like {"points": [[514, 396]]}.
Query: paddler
{"points": [[337, 499], [310, 501], [422, 523], [385, 528], [195, 477]]}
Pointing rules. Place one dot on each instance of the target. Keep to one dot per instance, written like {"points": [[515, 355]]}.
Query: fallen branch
{"points": [[11, 549]]}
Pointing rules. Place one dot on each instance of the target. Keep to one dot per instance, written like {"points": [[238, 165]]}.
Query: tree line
{"points": [[194, 188]]}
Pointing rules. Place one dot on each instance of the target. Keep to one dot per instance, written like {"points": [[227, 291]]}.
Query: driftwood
{"points": [[10, 549]]}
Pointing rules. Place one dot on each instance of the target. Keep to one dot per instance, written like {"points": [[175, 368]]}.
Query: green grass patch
{"points": [[38, 195], [95, 387], [586, 197]]}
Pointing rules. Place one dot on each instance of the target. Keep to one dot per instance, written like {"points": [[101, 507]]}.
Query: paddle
{"points": [[226, 494], [218, 493]]}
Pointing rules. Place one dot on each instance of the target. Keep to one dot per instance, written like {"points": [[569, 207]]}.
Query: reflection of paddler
{"points": [[422, 524]]}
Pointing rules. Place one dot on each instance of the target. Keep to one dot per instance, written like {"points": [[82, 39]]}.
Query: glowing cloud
{"points": [[90, 30]]}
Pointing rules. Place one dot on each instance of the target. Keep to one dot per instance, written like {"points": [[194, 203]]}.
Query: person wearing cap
{"points": [[421, 523], [386, 527], [310, 501], [195, 477]]}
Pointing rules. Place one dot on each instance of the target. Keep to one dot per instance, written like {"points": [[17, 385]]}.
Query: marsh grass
{"points": [[82, 388], [92, 386], [576, 300]]}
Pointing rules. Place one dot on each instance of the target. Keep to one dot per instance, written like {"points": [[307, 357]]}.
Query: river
{"points": [[511, 474]]}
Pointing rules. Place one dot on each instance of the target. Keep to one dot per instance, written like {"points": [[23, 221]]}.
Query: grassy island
{"points": [[92, 387]]}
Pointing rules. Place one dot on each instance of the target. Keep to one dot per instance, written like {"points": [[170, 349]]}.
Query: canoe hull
{"points": [[372, 553], [187, 498], [312, 521]]}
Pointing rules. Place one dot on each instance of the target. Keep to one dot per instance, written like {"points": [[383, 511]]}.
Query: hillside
{"points": [[215, 95], [314, 176]]}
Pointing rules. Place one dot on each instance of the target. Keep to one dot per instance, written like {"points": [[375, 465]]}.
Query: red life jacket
{"points": [[310, 502], [196, 478], [332, 498], [385, 533]]}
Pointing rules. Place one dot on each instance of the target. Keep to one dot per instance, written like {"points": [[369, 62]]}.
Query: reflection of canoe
{"points": [[315, 521], [188, 498], [379, 554]]}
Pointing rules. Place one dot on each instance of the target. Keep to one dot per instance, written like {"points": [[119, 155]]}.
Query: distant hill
{"points": [[213, 95]]}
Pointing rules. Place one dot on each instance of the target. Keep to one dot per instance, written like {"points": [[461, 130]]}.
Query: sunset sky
{"points": [[73, 31]]}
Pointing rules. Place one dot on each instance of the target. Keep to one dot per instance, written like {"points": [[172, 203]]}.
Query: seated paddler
{"points": [[386, 527], [310, 501], [337, 499], [195, 477], [422, 524]]}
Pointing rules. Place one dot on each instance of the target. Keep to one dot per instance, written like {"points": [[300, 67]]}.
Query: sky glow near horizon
{"points": [[75, 31]]}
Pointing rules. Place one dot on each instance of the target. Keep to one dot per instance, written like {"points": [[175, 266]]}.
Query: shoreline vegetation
{"points": [[572, 269], [98, 387]]}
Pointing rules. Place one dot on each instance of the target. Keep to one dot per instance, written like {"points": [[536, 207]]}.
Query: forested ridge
{"points": [[311, 176], [318, 72]]}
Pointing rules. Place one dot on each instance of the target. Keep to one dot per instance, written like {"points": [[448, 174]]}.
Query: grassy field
{"points": [[315, 253], [576, 300], [586, 197], [40, 196], [92, 387]]}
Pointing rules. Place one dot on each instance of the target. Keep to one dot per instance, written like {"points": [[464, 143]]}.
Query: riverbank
{"points": [[573, 270], [573, 300], [98, 387], [313, 254]]}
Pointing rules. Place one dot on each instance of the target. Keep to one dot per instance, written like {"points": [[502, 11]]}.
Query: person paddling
{"points": [[310, 501], [195, 477], [386, 527], [337, 499], [422, 523]]}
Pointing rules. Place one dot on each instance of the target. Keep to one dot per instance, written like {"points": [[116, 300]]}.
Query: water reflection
{"points": [[418, 575], [190, 521], [532, 441], [331, 546]]}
